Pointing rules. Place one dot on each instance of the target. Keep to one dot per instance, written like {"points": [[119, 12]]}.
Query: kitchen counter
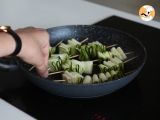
{"points": [[50, 13], [130, 6], [139, 100]]}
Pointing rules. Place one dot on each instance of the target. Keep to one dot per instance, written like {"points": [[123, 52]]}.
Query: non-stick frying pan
{"points": [[105, 35]]}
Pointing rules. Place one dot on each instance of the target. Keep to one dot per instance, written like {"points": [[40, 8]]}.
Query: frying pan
{"points": [[105, 35]]}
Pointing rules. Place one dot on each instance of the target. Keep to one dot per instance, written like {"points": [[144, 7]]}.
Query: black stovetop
{"points": [[137, 101]]}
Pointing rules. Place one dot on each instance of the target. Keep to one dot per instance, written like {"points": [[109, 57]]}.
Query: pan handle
{"points": [[8, 64]]}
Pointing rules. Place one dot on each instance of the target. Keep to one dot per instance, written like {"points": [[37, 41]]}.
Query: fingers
{"points": [[45, 47], [42, 69], [46, 54], [39, 61]]}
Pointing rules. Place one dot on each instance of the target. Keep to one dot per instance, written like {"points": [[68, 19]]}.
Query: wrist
{"points": [[23, 38], [16, 38], [7, 45]]}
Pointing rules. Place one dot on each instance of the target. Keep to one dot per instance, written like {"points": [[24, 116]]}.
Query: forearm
{"points": [[7, 44]]}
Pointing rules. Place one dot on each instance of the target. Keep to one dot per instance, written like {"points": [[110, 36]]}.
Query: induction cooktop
{"points": [[139, 100]]}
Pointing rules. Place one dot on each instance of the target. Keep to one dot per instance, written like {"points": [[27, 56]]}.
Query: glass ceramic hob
{"points": [[139, 100]]}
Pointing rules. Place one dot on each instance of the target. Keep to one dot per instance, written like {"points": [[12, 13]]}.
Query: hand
{"points": [[35, 48]]}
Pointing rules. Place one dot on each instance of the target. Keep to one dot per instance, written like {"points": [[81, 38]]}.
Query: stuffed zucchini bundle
{"points": [[80, 70]]}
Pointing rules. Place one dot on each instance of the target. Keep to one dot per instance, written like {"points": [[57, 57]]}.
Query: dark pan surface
{"points": [[106, 36]]}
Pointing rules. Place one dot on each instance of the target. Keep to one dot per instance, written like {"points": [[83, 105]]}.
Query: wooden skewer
{"points": [[92, 60], [95, 60], [130, 59], [112, 45], [65, 80], [49, 68], [59, 80], [55, 73], [63, 71], [31, 68], [123, 62], [84, 40], [107, 46], [74, 56], [58, 43], [127, 53]]}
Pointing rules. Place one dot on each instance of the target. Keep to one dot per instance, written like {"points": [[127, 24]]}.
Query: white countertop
{"points": [[50, 13], [9, 112]]}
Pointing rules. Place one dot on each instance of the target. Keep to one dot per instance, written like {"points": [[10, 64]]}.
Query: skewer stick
{"points": [[74, 56], [63, 71], [65, 80], [130, 59], [58, 43], [84, 40], [95, 60], [127, 53], [112, 45], [123, 62], [55, 73], [59, 80], [49, 68], [31, 68]]}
